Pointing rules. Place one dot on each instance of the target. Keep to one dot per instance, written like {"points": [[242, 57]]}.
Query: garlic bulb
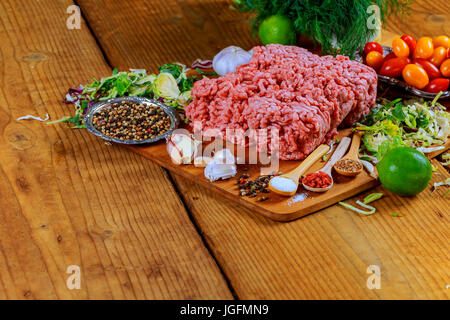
{"points": [[229, 58]]}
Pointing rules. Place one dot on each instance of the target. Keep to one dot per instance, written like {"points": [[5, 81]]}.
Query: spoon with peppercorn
{"points": [[287, 184], [321, 180], [350, 165]]}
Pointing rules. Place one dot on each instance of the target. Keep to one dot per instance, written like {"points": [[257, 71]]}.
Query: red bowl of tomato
{"points": [[392, 69]]}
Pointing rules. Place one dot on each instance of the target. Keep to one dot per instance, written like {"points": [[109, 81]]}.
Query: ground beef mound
{"points": [[304, 96]]}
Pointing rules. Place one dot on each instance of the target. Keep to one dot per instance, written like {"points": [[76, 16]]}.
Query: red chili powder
{"points": [[317, 180]]}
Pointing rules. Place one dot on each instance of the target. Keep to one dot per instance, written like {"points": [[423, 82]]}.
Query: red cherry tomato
{"points": [[389, 56], [393, 67], [410, 41], [432, 71], [424, 48], [415, 76], [437, 85], [445, 68], [373, 46], [441, 41], [400, 48], [374, 59], [439, 55]]}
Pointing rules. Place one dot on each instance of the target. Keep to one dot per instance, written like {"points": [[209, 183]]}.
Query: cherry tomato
{"points": [[373, 46], [445, 68], [410, 41], [424, 48], [389, 56], [374, 59], [439, 55], [400, 48], [415, 76], [437, 85], [432, 71], [393, 67], [442, 41]]}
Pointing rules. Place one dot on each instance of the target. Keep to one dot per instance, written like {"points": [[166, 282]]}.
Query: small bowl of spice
{"points": [[131, 120]]}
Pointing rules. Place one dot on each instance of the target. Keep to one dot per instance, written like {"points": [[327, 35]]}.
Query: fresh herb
{"points": [[340, 26]]}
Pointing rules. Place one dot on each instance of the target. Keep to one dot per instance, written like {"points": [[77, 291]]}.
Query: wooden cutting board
{"points": [[277, 207]]}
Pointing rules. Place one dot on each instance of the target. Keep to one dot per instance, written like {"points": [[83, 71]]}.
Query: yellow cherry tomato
{"points": [[441, 41], [424, 48], [439, 55], [374, 59], [400, 48], [445, 68], [415, 76]]}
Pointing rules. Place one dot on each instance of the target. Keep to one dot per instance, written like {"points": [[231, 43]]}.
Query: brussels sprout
{"points": [[184, 98], [166, 86], [373, 140]]}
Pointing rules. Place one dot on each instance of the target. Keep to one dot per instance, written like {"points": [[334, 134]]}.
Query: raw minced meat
{"points": [[304, 96]]}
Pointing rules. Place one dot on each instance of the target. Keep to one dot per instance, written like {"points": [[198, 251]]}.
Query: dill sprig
{"points": [[340, 26]]}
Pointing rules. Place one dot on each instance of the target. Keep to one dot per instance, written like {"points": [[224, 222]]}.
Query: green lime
{"points": [[404, 171], [277, 29]]}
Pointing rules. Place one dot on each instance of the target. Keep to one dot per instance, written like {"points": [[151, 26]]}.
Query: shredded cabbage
{"points": [[416, 123]]}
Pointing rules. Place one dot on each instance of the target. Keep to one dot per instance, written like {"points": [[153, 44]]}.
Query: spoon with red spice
{"points": [[321, 180]]}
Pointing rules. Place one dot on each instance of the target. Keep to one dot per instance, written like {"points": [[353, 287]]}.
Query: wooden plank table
{"points": [[137, 231]]}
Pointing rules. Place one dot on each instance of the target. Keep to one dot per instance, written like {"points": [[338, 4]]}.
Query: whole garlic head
{"points": [[229, 59]]}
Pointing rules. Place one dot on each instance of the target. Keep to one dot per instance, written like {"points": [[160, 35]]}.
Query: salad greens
{"points": [[171, 86], [414, 123]]}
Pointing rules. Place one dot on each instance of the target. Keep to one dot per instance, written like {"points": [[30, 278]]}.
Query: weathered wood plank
{"points": [[67, 198], [322, 256]]}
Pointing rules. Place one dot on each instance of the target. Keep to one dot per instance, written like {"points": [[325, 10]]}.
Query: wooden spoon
{"points": [[337, 154], [350, 165], [294, 175]]}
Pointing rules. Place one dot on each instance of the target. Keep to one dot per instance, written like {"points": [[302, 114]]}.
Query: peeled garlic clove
{"points": [[197, 149], [185, 146], [202, 161], [174, 153], [215, 171]]}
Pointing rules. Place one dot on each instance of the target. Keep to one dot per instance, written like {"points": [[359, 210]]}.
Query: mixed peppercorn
{"points": [[253, 188], [131, 121]]}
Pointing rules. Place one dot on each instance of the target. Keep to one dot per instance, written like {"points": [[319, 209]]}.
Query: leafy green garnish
{"points": [[199, 71], [172, 68]]}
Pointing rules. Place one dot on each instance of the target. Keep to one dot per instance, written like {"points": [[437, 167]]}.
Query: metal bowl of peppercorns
{"points": [[131, 120]]}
